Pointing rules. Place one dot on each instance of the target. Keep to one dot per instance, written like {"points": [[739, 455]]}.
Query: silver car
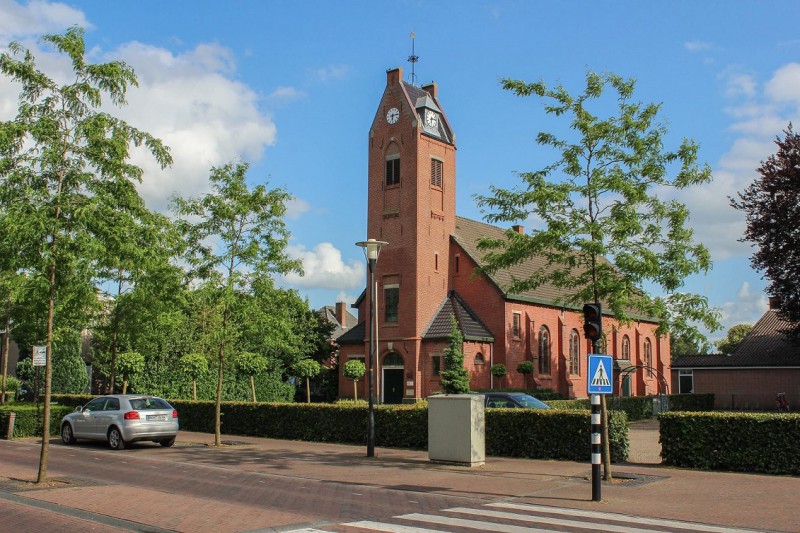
{"points": [[120, 419]]}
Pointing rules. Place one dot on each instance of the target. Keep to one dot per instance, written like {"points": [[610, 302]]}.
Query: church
{"points": [[427, 273]]}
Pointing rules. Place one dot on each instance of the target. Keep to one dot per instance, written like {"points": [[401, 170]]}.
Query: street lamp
{"points": [[372, 250]]}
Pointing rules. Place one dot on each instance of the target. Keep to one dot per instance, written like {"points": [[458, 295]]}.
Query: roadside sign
{"points": [[39, 355], [600, 373]]}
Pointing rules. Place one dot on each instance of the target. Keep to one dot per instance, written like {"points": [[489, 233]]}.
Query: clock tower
{"points": [[411, 205]]}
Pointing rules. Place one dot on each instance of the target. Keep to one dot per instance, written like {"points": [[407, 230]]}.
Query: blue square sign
{"points": [[600, 374]]}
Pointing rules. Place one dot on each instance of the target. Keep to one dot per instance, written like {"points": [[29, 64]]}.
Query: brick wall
{"points": [[747, 388]]}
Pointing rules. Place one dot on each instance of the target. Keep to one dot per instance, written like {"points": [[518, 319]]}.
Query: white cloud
{"points": [[738, 84], [324, 268], [331, 73], [295, 208], [784, 85], [36, 18], [697, 46], [746, 309]]}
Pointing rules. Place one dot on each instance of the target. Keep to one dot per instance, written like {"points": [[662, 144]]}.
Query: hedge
{"points": [[529, 433], [741, 442], [28, 421], [641, 407]]}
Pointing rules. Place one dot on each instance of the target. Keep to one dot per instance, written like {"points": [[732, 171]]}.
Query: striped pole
{"points": [[596, 447]]}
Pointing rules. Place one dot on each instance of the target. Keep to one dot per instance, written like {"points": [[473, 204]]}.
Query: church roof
{"points": [[468, 322], [420, 98], [765, 346], [354, 335]]}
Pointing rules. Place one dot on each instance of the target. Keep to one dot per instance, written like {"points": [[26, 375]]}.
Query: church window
{"points": [[648, 353], [479, 359], [574, 353], [515, 325], [392, 165], [544, 350], [626, 348], [437, 360], [391, 299], [436, 172]]}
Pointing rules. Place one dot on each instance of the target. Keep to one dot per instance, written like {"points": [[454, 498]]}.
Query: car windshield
{"points": [[142, 404], [530, 401]]}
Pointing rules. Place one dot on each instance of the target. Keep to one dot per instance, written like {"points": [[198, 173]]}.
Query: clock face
{"points": [[392, 115], [431, 119]]}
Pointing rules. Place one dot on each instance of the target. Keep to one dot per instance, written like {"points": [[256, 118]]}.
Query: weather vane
{"points": [[413, 60]]}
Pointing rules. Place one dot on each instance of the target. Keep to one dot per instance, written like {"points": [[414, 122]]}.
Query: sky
{"points": [[292, 88]]}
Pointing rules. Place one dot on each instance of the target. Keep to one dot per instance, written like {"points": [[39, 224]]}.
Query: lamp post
{"points": [[372, 250]]}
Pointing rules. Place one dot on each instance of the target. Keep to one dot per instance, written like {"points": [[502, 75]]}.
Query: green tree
{"points": [[601, 200], [685, 344], [525, 368], [355, 370], [130, 366], [194, 366], [234, 235], [249, 364], [734, 337], [499, 371], [61, 159], [455, 378], [307, 368]]}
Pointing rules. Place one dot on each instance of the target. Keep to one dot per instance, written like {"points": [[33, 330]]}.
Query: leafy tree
{"points": [[130, 365], [249, 364], [307, 368], [772, 208], [355, 370], [684, 344], [733, 338], [525, 368], [69, 373], [60, 159], [234, 235], [601, 198], [194, 366], [499, 371], [455, 378]]}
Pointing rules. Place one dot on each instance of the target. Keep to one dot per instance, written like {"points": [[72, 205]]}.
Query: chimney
{"points": [[431, 88], [341, 314], [394, 75], [519, 229], [774, 303]]}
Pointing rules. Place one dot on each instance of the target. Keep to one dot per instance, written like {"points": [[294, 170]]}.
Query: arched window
{"points": [[544, 350], [479, 360], [648, 353], [392, 165], [626, 348], [393, 359], [574, 352]]}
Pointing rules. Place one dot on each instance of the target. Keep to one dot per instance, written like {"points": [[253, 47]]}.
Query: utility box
{"points": [[457, 429]]}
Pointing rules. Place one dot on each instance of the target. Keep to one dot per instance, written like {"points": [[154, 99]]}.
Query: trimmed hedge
{"points": [[28, 421], [741, 442], [641, 407]]}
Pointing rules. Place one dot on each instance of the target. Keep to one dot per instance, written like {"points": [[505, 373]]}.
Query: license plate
{"points": [[162, 418]]}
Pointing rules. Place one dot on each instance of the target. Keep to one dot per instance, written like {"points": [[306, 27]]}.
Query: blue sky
{"points": [[292, 87]]}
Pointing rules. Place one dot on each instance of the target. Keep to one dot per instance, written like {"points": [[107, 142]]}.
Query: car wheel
{"points": [[115, 439], [166, 443], [67, 437]]}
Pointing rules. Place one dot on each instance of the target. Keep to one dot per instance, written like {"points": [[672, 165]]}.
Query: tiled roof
{"points": [[764, 346], [328, 312], [468, 322], [419, 97], [354, 335]]}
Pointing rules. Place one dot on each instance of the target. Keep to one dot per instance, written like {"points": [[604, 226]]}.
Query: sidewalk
{"points": [[737, 500]]}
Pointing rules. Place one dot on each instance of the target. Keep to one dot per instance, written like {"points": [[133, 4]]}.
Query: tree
{"points": [[60, 159], [234, 235], [599, 201], [130, 366], [307, 368], [684, 344], [499, 371], [733, 338], [525, 368], [455, 378], [194, 366], [249, 364], [355, 370], [772, 208]]}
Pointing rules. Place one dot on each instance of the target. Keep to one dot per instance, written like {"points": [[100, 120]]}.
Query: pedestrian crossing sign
{"points": [[600, 374]]}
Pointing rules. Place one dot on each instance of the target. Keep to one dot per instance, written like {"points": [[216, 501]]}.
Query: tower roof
{"points": [[468, 322]]}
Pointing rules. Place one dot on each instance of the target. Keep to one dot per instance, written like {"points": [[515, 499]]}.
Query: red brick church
{"points": [[426, 274]]}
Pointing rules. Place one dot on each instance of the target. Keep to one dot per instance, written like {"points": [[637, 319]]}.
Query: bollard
{"points": [[10, 425]]}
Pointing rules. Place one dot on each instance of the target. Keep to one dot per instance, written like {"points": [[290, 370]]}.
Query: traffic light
{"points": [[592, 321]]}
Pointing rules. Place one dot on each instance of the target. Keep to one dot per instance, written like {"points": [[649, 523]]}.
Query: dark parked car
{"points": [[513, 400], [120, 419]]}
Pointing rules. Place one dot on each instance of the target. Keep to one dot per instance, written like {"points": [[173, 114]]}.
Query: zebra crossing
{"points": [[507, 517]]}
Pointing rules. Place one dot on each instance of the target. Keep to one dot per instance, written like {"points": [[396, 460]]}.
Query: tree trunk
{"points": [[124, 386], [4, 354], [308, 389], [606, 444], [194, 390], [355, 390], [253, 388], [41, 477], [115, 336]]}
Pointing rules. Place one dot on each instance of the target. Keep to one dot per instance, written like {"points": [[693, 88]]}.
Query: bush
{"points": [[742, 442], [29, 419], [69, 374]]}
